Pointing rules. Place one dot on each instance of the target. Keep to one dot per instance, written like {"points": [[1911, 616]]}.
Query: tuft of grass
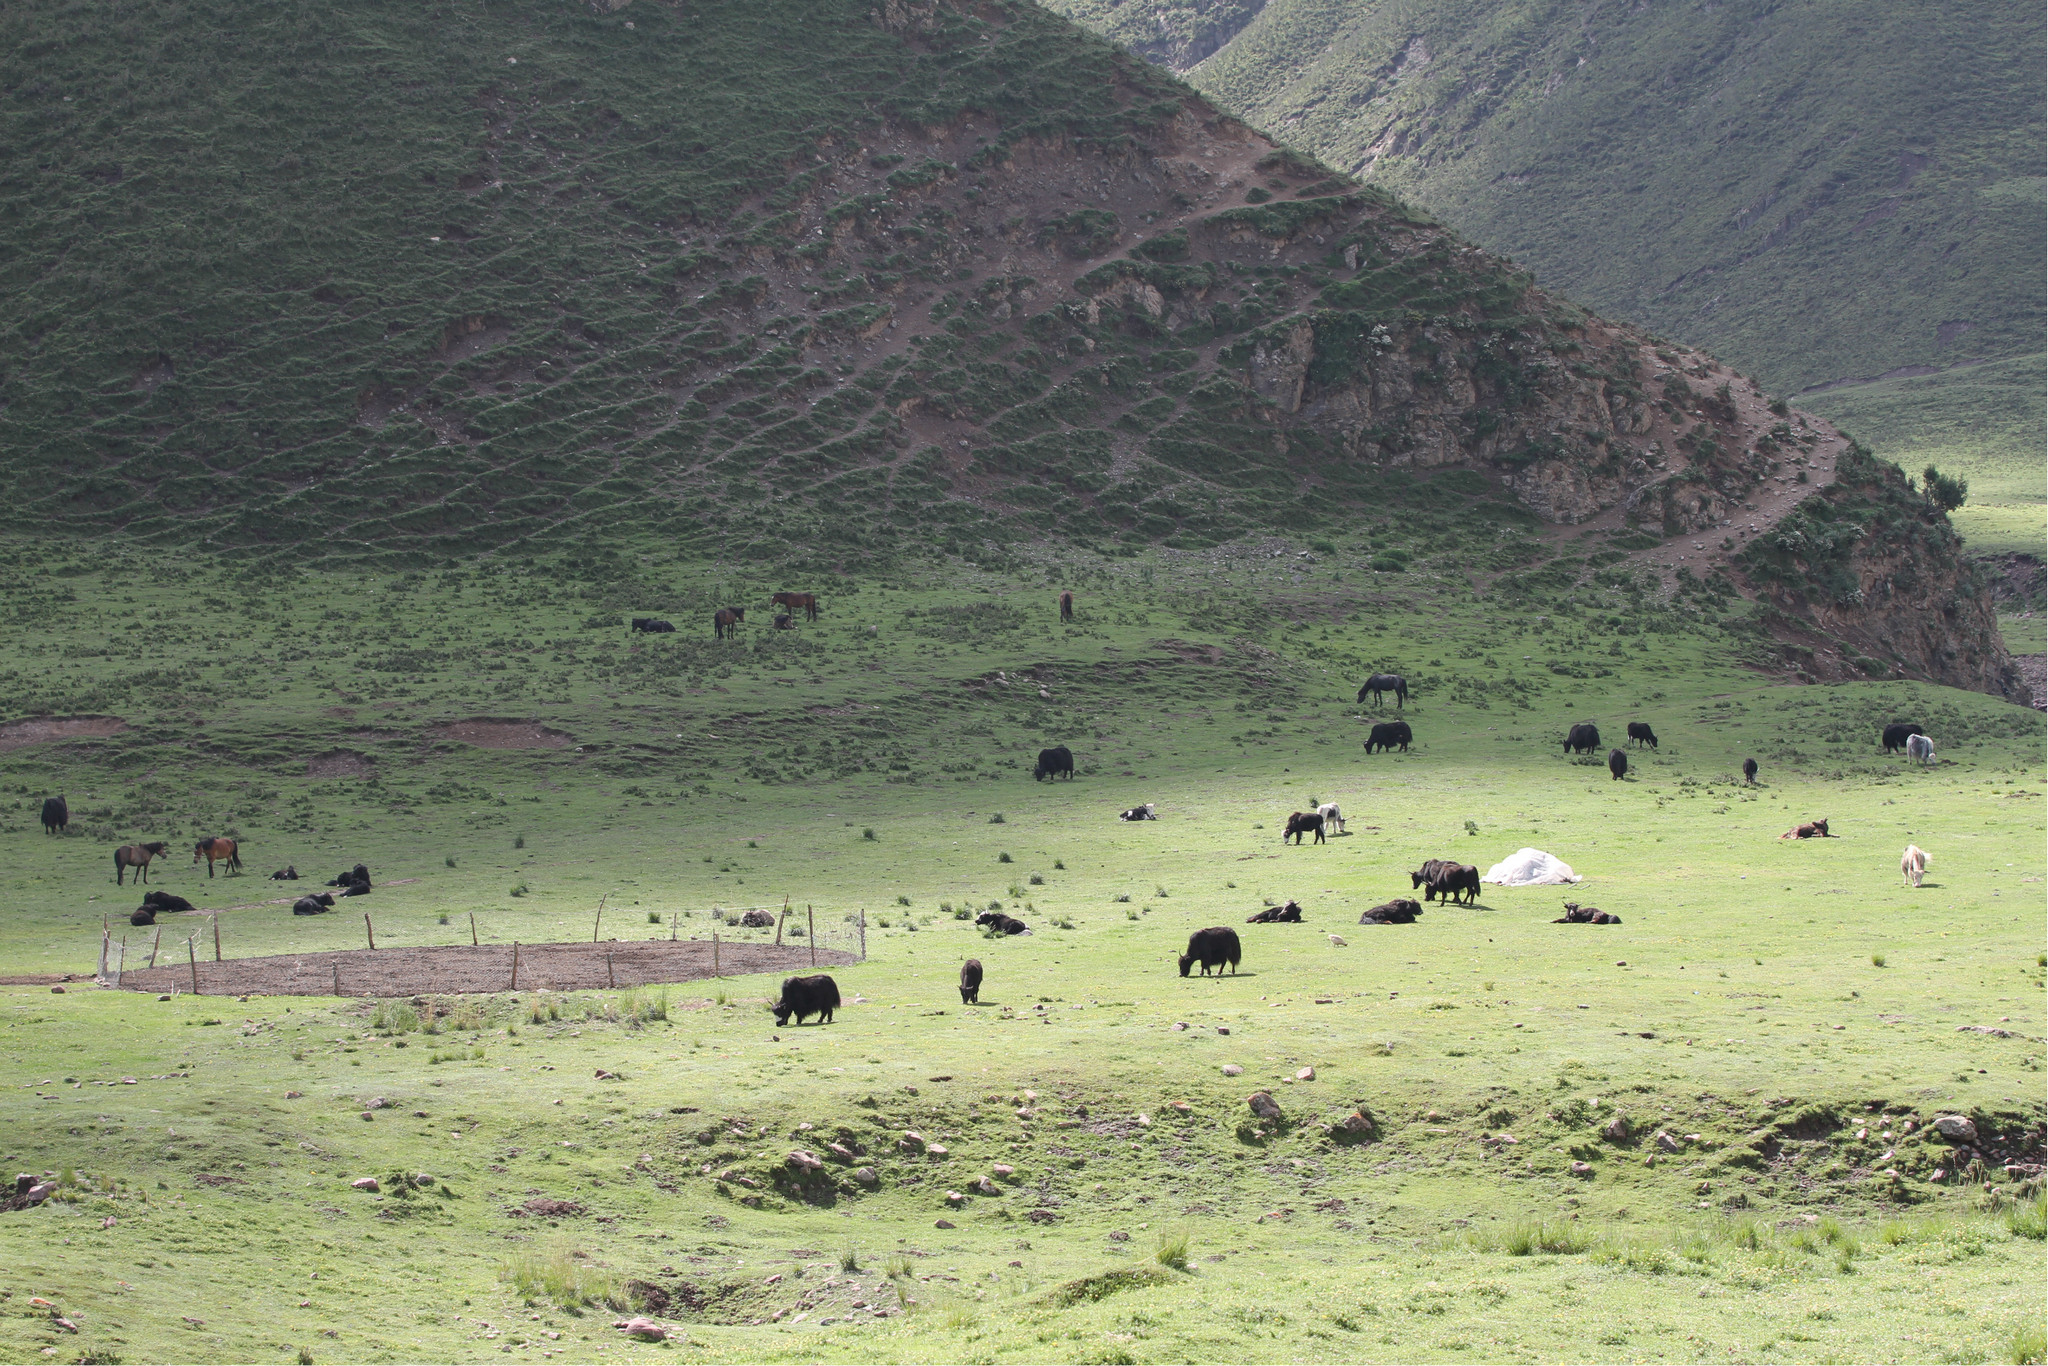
{"points": [[2027, 1345], [519, 841], [562, 1277], [1059, 865], [996, 819], [1529, 1239], [849, 1259], [868, 833], [2029, 1218], [1036, 879], [902, 900], [1088, 1289], [653, 918], [449, 861], [1877, 960], [1004, 857], [1173, 1248]]}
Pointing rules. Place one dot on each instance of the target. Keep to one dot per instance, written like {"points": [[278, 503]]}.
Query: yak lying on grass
{"points": [[155, 904], [1810, 830], [806, 996], [1290, 914], [1575, 914], [1400, 911], [997, 923], [313, 905]]}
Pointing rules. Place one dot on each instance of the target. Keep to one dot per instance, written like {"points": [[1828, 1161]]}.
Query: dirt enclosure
{"points": [[451, 969]]}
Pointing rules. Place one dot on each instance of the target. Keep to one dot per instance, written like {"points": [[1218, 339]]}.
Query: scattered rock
{"points": [[1263, 1105], [1992, 1030], [1003, 1169], [1231, 1069], [944, 1223], [1957, 1127], [1179, 1026], [912, 1141], [422, 1180], [293, 1095], [1222, 1029], [955, 1198], [1305, 1074], [1617, 1128], [1668, 1143], [366, 1116], [1355, 1123], [1042, 1216], [1582, 1169], [840, 1151], [936, 1149], [1119, 1236], [985, 1186], [603, 1075], [419, 1114], [866, 1176], [377, 1103], [365, 1183], [805, 1161], [647, 1330]]}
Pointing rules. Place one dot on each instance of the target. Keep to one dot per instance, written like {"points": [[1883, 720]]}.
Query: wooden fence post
{"points": [[714, 953], [335, 963], [192, 960], [600, 917], [155, 944], [863, 934], [673, 918], [369, 929], [472, 929], [216, 936], [515, 965], [778, 922], [812, 917], [611, 978]]}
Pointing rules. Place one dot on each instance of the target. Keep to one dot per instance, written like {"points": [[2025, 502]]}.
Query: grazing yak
{"points": [[1920, 747], [1066, 607], [1379, 685], [1332, 817], [995, 922], [1811, 830], [803, 996], [56, 814], [1054, 762], [1212, 948], [757, 919], [1457, 880], [1749, 771], [1290, 914], [1428, 873], [313, 905], [1913, 864], [136, 856], [1147, 812], [1639, 732], [1400, 911], [1303, 823], [1897, 733], [970, 982], [1575, 914], [1617, 763], [1583, 738], [654, 624], [1388, 734]]}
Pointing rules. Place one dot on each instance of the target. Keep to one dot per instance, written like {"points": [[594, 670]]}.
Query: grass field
{"points": [[1778, 1010]]}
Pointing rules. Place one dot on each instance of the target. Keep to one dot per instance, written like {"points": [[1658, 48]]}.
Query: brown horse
{"points": [[1066, 607], [218, 849], [807, 603], [725, 622], [136, 856]]}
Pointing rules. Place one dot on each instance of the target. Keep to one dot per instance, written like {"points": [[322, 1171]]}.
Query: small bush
{"points": [[849, 1260], [449, 861], [654, 917], [1059, 865], [1004, 857], [1123, 896], [2028, 1346], [1877, 960], [1173, 1249], [441, 919], [519, 841], [2029, 1219], [902, 901], [1555, 1240], [518, 889], [560, 1276], [996, 819], [868, 833], [1036, 879]]}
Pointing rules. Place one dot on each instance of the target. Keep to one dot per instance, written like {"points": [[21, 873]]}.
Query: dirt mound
{"points": [[36, 729], [461, 968], [493, 733], [340, 763]]}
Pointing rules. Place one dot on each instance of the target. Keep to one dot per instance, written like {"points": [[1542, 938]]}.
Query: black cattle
{"points": [[784, 622], [166, 902], [1895, 737], [1583, 739], [1138, 813], [654, 624], [802, 996], [970, 982], [1388, 734], [1427, 874], [757, 919], [1379, 685], [285, 874], [1303, 823], [1290, 914], [1575, 914], [1640, 732], [1455, 880], [1749, 771], [1053, 762], [995, 922], [1212, 948], [142, 915], [313, 905], [1400, 911], [359, 873], [56, 814], [1617, 764]]}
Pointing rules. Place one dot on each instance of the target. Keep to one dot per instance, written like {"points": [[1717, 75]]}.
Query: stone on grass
{"points": [[866, 1176], [1958, 1127], [1263, 1105], [1355, 1123], [955, 1198], [1617, 1128], [1003, 1169], [1582, 1169], [647, 1330], [804, 1161], [1667, 1142], [1305, 1074], [1231, 1069], [365, 1183], [840, 1151], [987, 1187], [944, 1223]]}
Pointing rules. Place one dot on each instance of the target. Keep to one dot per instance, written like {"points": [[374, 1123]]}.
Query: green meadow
{"points": [[1703, 1133]]}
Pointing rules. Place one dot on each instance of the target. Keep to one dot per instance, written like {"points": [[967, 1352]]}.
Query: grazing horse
{"points": [[725, 622], [218, 849], [807, 603], [1066, 607], [1379, 685], [136, 856]]}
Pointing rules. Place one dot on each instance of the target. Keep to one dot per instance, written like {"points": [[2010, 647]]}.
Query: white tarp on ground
{"points": [[1530, 868]]}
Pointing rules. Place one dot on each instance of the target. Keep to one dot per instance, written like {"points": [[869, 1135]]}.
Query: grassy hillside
{"points": [[1780, 1009], [1813, 191]]}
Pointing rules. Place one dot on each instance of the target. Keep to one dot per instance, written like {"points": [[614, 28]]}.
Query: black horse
{"points": [[1379, 685]]}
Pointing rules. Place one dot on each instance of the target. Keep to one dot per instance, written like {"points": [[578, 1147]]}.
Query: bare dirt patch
{"points": [[340, 763], [493, 733], [463, 969], [35, 730]]}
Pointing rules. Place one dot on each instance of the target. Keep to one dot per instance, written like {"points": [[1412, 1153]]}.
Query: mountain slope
{"points": [[1815, 191]]}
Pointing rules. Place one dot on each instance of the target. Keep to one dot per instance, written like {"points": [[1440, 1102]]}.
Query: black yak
{"points": [[804, 996], [1212, 948]]}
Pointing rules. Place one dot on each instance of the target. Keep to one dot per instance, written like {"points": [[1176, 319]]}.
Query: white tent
{"points": [[1530, 868]]}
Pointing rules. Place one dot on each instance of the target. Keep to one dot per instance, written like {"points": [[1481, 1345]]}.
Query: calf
{"points": [[804, 996], [1147, 812], [1920, 747], [1583, 738], [1388, 734], [313, 905], [1811, 830], [1897, 733], [1290, 914], [285, 874], [1054, 762], [1212, 948], [1400, 911], [1913, 865], [970, 982], [1303, 823], [56, 814], [1639, 732], [1332, 817], [1575, 914], [995, 922], [1617, 764]]}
